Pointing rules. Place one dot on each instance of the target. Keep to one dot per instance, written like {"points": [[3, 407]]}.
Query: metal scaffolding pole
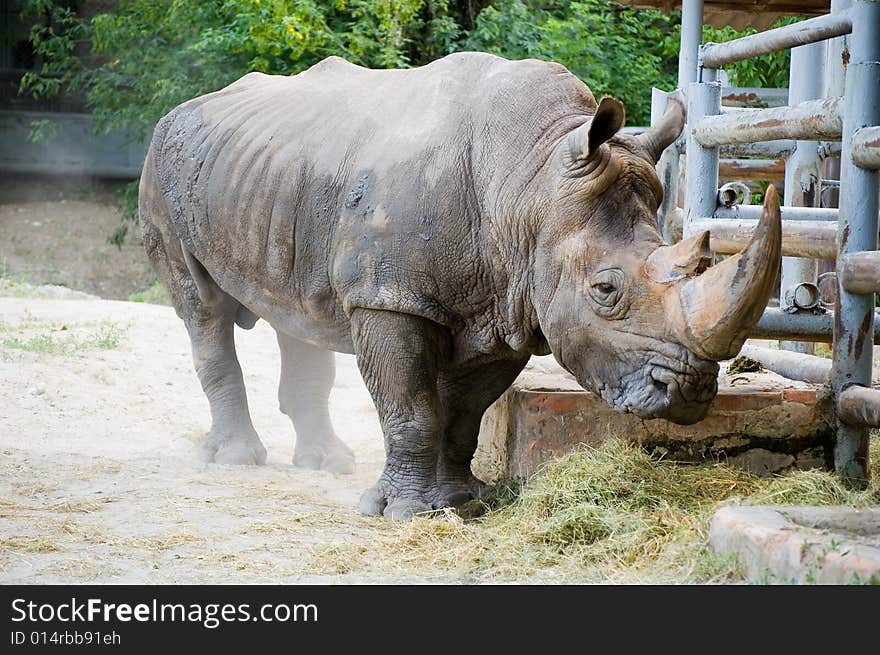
{"points": [[813, 239], [669, 166], [701, 198], [857, 232], [691, 38], [836, 53], [802, 173], [866, 147], [716, 55], [820, 119], [753, 212]]}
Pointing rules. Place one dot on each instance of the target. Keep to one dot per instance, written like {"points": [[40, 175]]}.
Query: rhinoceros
{"points": [[442, 223]]}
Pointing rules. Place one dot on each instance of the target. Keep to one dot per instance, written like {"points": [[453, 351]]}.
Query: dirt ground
{"points": [[98, 476], [55, 231], [102, 411]]}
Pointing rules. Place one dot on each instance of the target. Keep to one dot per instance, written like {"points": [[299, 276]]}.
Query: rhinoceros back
{"points": [[305, 197]]}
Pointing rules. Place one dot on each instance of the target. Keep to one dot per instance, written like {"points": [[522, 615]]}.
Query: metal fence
{"points": [[834, 96]]}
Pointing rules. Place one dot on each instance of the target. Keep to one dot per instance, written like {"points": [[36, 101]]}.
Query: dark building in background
{"points": [[72, 146]]}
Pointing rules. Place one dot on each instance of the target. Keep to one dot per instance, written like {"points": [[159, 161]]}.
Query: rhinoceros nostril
{"points": [[660, 386]]}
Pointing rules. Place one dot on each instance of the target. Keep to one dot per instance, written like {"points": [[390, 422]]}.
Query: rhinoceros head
{"points": [[641, 323]]}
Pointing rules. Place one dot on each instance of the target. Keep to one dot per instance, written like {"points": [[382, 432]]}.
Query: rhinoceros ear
{"points": [[660, 135], [584, 142]]}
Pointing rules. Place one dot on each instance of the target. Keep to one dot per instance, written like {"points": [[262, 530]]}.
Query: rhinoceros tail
{"points": [[209, 292]]}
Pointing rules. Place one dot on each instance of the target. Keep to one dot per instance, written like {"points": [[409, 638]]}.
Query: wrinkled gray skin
{"points": [[442, 224]]}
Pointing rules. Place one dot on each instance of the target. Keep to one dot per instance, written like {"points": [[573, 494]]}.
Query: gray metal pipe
{"points": [[777, 324], [753, 212], [691, 38], [810, 120], [716, 55], [859, 407], [802, 172], [859, 272], [772, 170], [753, 97], [704, 99], [791, 365], [814, 239], [836, 56], [865, 147], [857, 232]]}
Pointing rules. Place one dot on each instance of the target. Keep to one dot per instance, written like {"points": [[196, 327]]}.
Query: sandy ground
{"points": [[100, 416]]}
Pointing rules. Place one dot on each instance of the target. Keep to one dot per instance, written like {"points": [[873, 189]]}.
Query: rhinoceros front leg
{"points": [[307, 375], [232, 439], [465, 396], [398, 357]]}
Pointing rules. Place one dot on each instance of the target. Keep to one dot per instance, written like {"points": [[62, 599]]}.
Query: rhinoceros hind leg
{"points": [[307, 375], [232, 438], [209, 314]]}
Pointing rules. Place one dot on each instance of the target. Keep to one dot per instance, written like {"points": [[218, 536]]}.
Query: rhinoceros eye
{"points": [[606, 289]]}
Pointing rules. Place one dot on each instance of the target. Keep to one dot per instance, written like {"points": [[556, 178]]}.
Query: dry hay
{"points": [[30, 544], [10, 508], [611, 514]]}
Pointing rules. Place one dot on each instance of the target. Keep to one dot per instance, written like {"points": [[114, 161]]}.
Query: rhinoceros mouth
{"points": [[678, 392]]}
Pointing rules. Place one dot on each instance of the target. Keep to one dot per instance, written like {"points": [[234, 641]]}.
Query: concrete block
{"points": [[823, 545]]}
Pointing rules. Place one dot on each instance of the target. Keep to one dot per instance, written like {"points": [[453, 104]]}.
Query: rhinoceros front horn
{"points": [[720, 307]]}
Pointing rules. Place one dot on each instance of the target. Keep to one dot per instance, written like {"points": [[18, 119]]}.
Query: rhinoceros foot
{"points": [[225, 449], [377, 501], [332, 456]]}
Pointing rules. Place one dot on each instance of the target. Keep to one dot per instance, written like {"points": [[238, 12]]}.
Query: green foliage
{"points": [[616, 50], [106, 337], [42, 129], [154, 294], [150, 55], [128, 194]]}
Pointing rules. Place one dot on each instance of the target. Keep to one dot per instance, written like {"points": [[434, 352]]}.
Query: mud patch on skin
{"points": [[357, 192]]}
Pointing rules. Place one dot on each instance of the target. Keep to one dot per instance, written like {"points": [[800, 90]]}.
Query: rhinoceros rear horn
{"points": [[658, 137], [584, 142], [720, 307]]}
